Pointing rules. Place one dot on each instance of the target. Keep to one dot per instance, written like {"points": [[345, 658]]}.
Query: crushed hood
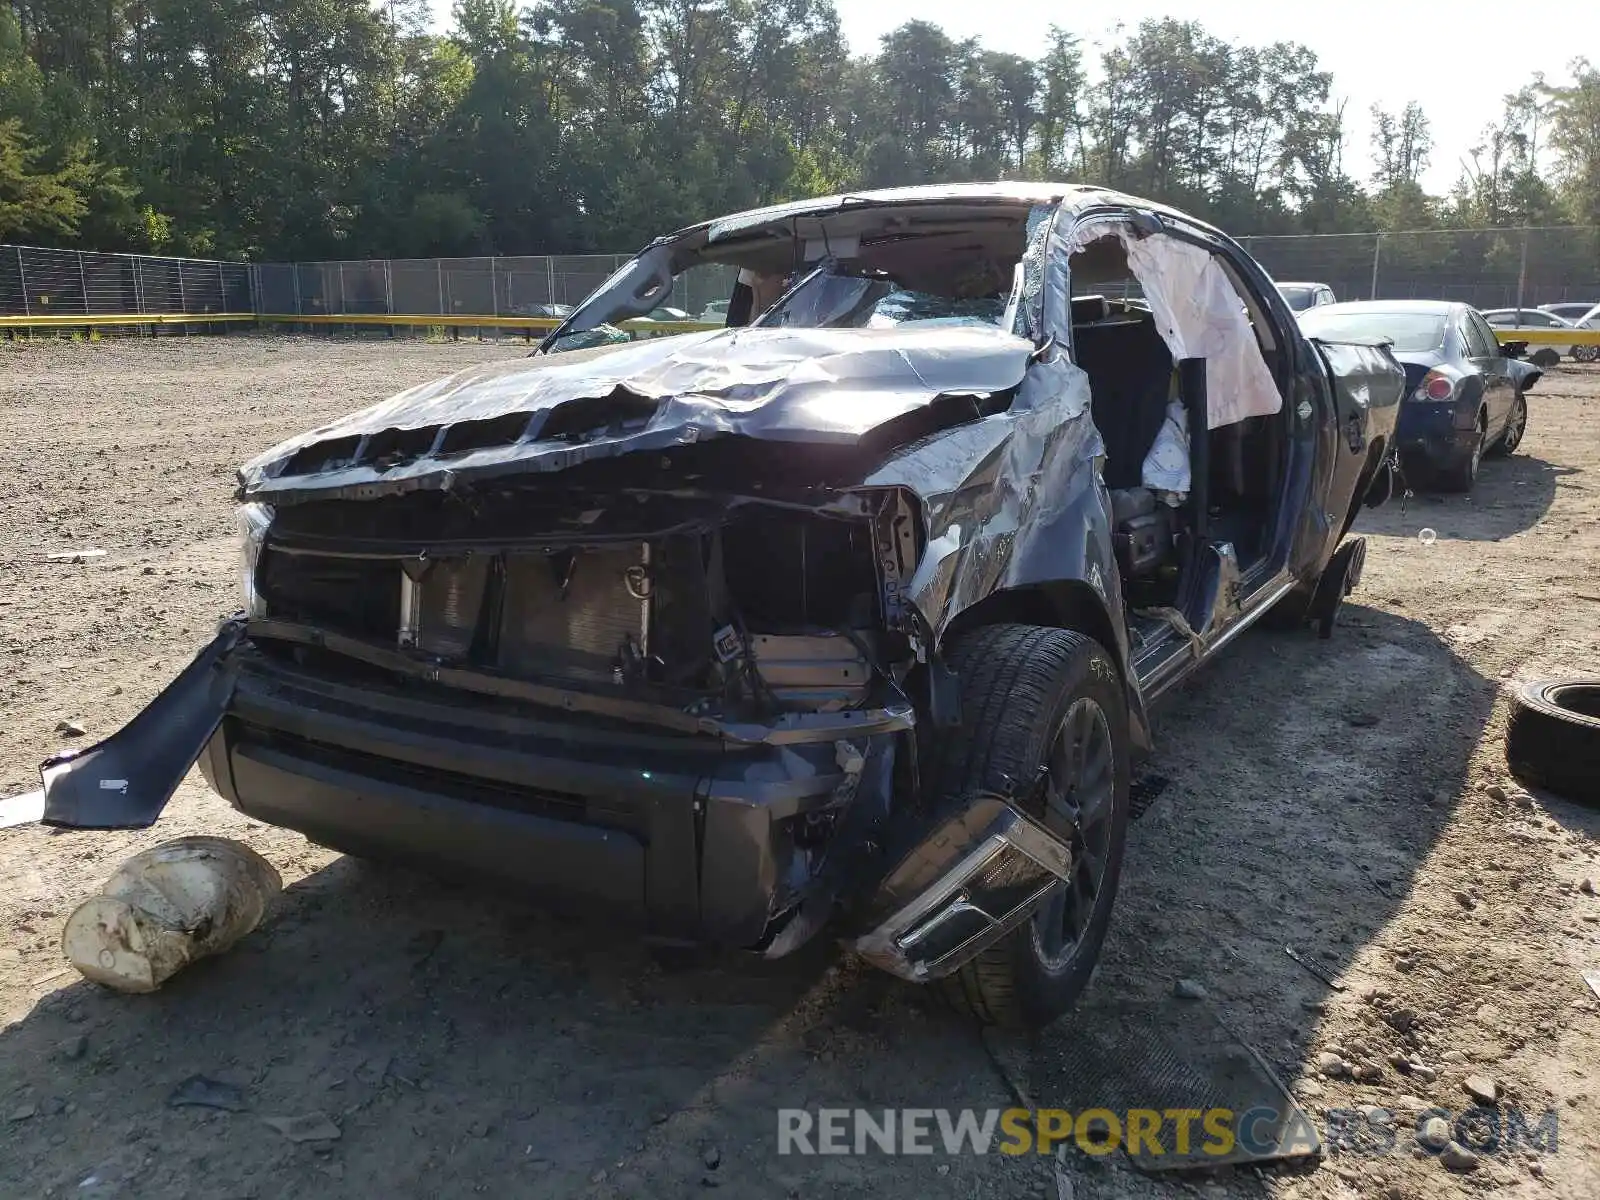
{"points": [[551, 413]]}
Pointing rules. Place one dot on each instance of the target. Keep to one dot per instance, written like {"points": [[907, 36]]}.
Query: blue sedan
{"points": [[1464, 393]]}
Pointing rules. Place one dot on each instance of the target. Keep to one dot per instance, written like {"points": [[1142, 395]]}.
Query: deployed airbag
{"points": [[1200, 315]]}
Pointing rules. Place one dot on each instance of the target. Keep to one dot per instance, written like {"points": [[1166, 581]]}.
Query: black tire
{"points": [[1291, 614], [1461, 476], [1516, 426], [1553, 737], [1545, 357], [1340, 577], [1019, 686]]}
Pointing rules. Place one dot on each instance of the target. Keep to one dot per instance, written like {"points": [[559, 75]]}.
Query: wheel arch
{"points": [[1062, 604]]}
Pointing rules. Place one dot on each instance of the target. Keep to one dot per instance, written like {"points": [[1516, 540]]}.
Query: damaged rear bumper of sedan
{"points": [[743, 834]]}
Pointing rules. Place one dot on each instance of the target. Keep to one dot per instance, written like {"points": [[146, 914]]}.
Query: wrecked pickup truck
{"points": [[847, 616]]}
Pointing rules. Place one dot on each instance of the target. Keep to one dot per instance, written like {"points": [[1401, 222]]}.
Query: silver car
{"points": [[1302, 297], [1545, 354]]}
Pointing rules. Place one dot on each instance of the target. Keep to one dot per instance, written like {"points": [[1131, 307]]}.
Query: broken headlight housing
{"points": [[254, 521]]}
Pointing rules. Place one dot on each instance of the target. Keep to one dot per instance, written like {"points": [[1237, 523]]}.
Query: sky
{"points": [[1457, 61], [1453, 60]]}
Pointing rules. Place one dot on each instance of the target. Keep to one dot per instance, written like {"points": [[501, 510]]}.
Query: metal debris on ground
{"points": [[1592, 978], [1313, 969], [74, 556], [25, 809], [312, 1127], [197, 1091], [1166, 1058], [1064, 1189], [1145, 791]]}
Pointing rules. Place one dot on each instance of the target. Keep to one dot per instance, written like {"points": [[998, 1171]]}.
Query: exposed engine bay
{"points": [[748, 607]]}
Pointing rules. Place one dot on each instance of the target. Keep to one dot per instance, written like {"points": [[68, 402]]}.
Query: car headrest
{"points": [[1086, 310]]}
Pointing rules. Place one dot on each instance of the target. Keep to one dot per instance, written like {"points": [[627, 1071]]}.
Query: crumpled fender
{"points": [[125, 781]]}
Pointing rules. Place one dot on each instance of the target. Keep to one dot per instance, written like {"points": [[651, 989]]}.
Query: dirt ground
{"points": [[1330, 796]]}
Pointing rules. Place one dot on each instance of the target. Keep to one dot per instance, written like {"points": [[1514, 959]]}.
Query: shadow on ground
{"points": [[1512, 495], [469, 1044], [1309, 784]]}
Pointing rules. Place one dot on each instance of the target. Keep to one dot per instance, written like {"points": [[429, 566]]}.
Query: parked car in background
{"points": [[848, 619], [1545, 354], [660, 316], [1568, 310], [1303, 296], [556, 312], [1584, 316], [1464, 392], [715, 313]]}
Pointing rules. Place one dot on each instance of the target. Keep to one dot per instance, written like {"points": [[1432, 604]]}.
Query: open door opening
{"points": [[1184, 395]]}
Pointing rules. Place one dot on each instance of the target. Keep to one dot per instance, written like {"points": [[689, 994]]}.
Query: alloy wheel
{"points": [[1079, 786], [1516, 426]]}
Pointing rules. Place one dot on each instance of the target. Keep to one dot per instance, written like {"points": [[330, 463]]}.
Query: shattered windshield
{"points": [[826, 300], [946, 263]]}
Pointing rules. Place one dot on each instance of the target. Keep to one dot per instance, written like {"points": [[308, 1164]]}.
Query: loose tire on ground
{"points": [[1553, 737], [1020, 685]]}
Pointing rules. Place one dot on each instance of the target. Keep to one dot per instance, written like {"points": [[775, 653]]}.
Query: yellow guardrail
{"points": [[1549, 337], [392, 320], [63, 321], [468, 321], [446, 320]]}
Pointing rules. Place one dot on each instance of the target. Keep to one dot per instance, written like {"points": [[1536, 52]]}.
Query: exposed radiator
{"points": [[580, 614]]}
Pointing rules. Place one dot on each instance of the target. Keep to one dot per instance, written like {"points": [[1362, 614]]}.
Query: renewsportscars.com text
{"points": [[1149, 1131]]}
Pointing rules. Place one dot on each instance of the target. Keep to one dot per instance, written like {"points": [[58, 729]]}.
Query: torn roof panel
{"points": [[1014, 192]]}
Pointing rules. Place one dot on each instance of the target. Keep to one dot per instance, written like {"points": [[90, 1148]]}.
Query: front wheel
{"points": [[1045, 721]]}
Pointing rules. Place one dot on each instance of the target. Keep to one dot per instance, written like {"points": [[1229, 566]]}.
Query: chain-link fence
{"points": [[39, 282], [1487, 268], [498, 287], [532, 286]]}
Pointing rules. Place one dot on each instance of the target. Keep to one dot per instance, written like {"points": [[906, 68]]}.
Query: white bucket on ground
{"points": [[167, 907]]}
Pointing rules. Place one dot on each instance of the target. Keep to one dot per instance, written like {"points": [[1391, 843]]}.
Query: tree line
{"points": [[309, 129]]}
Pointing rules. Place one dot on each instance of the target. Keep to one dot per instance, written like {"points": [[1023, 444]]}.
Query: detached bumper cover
{"points": [[125, 781]]}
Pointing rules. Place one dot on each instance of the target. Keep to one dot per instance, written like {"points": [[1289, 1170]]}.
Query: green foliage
{"points": [[281, 129], [36, 204], [1575, 135]]}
